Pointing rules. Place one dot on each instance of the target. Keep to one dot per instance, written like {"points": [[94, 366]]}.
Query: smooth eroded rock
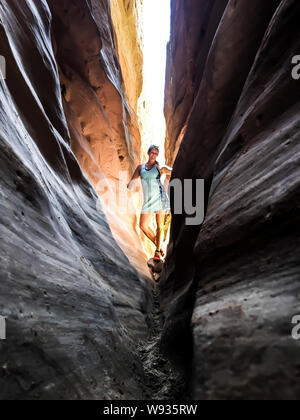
{"points": [[75, 306], [237, 275]]}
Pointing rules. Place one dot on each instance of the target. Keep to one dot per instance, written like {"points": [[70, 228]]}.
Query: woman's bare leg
{"points": [[160, 220], [145, 225]]}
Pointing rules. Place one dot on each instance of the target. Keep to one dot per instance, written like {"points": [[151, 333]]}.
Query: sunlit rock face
{"points": [[103, 124], [127, 22], [75, 306], [127, 18], [237, 275], [194, 23]]}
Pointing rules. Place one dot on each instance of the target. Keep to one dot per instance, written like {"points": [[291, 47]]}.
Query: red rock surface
{"points": [[81, 320], [237, 274], [194, 24], [103, 127], [75, 306], [127, 23]]}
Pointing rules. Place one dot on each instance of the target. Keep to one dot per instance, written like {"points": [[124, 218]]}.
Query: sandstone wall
{"points": [[75, 307], [127, 22], [194, 23], [237, 274], [103, 125]]}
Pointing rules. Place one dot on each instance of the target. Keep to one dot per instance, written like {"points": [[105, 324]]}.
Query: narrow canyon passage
{"points": [[84, 317]]}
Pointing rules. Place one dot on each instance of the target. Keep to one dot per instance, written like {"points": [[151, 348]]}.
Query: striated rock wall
{"points": [[237, 275], [75, 306], [127, 22], [194, 23], [103, 126]]}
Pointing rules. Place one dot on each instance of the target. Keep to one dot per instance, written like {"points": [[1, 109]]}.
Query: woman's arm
{"points": [[136, 175]]}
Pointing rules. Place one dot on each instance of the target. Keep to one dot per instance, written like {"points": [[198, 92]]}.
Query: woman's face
{"points": [[153, 154]]}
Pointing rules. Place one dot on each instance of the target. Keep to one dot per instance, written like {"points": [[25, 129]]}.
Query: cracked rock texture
{"points": [[231, 286], [75, 306]]}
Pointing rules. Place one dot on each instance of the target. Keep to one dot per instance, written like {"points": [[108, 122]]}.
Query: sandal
{"points": [[157, 256]]}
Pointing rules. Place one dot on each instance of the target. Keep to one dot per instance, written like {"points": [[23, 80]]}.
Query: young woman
{"points": [[156, 200]]}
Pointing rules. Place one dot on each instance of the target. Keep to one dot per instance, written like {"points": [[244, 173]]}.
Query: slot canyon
{"points": [[84, 317]]}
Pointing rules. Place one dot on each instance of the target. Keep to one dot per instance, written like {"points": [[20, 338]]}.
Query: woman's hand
{"points": [[166, 170]]}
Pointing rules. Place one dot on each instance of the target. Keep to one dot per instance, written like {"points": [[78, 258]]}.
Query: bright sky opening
{"points": [[156, 35]]}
